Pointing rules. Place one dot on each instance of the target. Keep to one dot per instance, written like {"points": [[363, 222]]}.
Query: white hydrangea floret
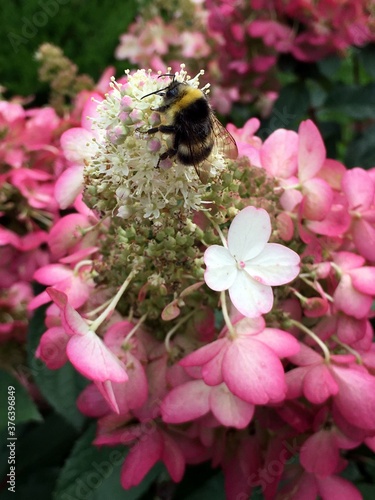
{"points": [[126, 157], [247, 265]]}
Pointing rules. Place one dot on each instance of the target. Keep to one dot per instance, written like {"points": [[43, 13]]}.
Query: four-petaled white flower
{"points": [[248, 266]]}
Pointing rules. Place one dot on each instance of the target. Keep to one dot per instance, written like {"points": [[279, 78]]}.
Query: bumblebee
{"points": [[188, 116]]}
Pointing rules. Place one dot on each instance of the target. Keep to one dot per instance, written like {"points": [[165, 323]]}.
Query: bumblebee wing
{"points": [[224, 141]]}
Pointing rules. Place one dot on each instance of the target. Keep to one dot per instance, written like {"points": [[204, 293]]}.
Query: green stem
{"points": [[227, 320], [112, 305], [311, 334], [174, 329]]}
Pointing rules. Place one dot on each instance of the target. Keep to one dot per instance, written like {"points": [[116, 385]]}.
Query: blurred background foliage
{"points": [[87, 30]]}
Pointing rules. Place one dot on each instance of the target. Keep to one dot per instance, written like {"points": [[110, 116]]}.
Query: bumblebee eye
{"points": [[173, 92]]}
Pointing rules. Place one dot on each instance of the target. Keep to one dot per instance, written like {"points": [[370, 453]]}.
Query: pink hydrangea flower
{"points": [[249, 362]]}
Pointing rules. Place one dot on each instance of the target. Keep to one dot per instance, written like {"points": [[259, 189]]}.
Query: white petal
{"points": [[275, 265], [249, 232], [250, 297], [221, 268]]}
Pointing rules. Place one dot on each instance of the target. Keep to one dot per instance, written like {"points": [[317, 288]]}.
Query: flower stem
{"points": [[174, 329], [219, 231], [311, 334], [135, 328], [226, 315], [112, 305], [349, 349], [313, 286], [82, 263], [98, 309]]}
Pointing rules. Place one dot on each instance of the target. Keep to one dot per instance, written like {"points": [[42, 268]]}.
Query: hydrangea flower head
{"points": [[122, 175]]}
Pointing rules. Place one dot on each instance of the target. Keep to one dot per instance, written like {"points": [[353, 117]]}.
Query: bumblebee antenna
{"points": [[156, 92], [160, 90], [168, 74]]}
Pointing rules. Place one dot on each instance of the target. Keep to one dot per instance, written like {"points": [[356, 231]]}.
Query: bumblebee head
{"points": [[170, 93]]}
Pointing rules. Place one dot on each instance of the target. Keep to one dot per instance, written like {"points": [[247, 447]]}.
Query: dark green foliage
{"points": [[87, 31]]}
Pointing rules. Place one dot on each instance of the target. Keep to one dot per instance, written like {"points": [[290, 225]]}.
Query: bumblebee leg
{"points": [[164, 129], [170, 153], [152, 130]]}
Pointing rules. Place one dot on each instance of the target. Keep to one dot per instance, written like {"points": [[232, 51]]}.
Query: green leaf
{"points": [[38, 485], [213, 489], [353, 101], [45, 444], [94, 473], [16, 406], [367, 490], [361, 151], [60, 387], [93, 26], [329, 66], [289, 109], [41, 450], [367, 58]]}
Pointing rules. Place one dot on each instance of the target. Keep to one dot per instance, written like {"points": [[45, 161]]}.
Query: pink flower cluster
{"points": [[297, 381], [31, 161], [246, 39], [33, 166]]}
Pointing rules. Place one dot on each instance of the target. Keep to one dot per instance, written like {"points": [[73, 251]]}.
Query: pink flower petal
{"points": [[173, 458], [333, 172], [291, 198], [7, 237], [66, 233], [248, 233], [282, 343], [364, 238], [253, 372], [106, 390], [337, 488], [212, 370], [52, 347], [141, 458], [294, 380], [278, 153], [230, 410], [318, 197], [306, 356], [73, 321], [311, 151], [90, 110], [91, 403], [52, 273], [186, 402], [319, 385], [68, 186], [359, 189], [356, 397], [363, 279], [348, 260], [319, 454], [349, 300], [94, 360], [77, 145], [204, 354]]}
